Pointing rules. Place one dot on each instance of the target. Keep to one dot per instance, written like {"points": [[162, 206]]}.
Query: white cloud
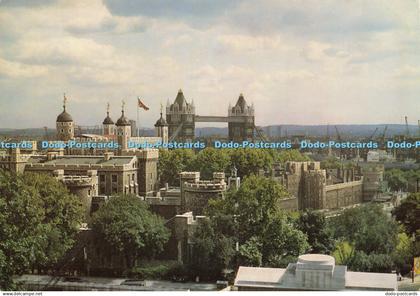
{"points": [[299, 62], [18, 70]]}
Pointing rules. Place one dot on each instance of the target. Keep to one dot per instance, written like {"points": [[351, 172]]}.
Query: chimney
{"points": [[108, 155], [51, 155]]}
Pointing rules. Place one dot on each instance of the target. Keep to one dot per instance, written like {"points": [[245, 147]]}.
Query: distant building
{"points": [[161, 128], [312, 272], [180, 116], [241, 119], [311, 187], [196, 193], [64, 124]]}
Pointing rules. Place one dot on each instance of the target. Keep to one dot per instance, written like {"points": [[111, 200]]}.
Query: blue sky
{"points": [[299, 62]]}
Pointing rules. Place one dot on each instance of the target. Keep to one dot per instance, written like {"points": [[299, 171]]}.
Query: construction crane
{"points": [[407, 131], [373, 134], [338, 133], [46, 132], [279, 130], [383, 134], [419, 126], [260, 133], [340, 140]]}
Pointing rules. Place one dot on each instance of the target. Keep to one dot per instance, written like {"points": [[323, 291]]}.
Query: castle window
{"points": [[102, 178], [114, 178]]}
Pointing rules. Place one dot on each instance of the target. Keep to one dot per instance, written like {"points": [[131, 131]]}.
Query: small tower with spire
{"points": [[123, 129], [64, 124], [241, 121], [161, 127], [180, 116], [108, 124]]}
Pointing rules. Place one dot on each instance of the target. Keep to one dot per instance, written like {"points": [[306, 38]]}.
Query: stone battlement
{"points": [[205, 185]]}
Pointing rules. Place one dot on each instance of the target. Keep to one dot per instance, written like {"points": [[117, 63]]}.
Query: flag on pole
{"points": [[142, 105]]}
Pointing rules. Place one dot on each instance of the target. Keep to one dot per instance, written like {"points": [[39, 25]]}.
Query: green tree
{"points": [[249, 252], [371, 263], [266, 235], [408, 213], [331, 163], [396, 179], [368, 228], [405, 252], [211, 160], [251, 161], [281, 240], [213, 249], [173, 162], [319, 235], [343, 253], [256, 202], [39, 219], [291, 155], [127, 227]]}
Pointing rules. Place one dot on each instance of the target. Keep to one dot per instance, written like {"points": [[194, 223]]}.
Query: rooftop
{"points": [[312, 272], [80, 160]]}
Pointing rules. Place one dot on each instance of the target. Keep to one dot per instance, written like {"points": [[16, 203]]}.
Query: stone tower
{"points": [[108, 124], [373, 180], [65, 124], [123, 130], [161, 127], [241, 121], [17, 161], [181, 118]]}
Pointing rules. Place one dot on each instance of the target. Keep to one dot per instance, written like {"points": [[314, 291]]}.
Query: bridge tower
{"points": [[241, 130], [180, 117]]}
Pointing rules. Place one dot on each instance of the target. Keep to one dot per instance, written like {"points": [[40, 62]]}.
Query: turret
{"points": [[241, 121], [161, 127], [123, 129], [108, 124], [64, 124]]}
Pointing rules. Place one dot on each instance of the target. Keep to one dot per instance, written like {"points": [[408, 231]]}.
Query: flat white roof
{"points": [[365, 280], [270, 278], [258, 276]]}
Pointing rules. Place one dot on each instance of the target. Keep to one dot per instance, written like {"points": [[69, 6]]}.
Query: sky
{"points": [[298, 62]]}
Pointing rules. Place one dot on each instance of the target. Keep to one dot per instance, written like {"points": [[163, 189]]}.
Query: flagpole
{"points": [[138, 123]]}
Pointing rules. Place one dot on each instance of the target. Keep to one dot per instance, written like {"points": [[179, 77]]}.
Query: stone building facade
{"points": [[316, 188], [196, 193]]}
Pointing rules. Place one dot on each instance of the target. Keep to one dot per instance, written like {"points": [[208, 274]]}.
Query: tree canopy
{"points": [[368, 238], [408, 213], [127, 227], [252, 219], [39, 219], [319, 235], [209, 160], [173, 162]]}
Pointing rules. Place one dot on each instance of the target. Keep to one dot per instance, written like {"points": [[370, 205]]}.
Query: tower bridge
{"points": [[181, 119]]}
